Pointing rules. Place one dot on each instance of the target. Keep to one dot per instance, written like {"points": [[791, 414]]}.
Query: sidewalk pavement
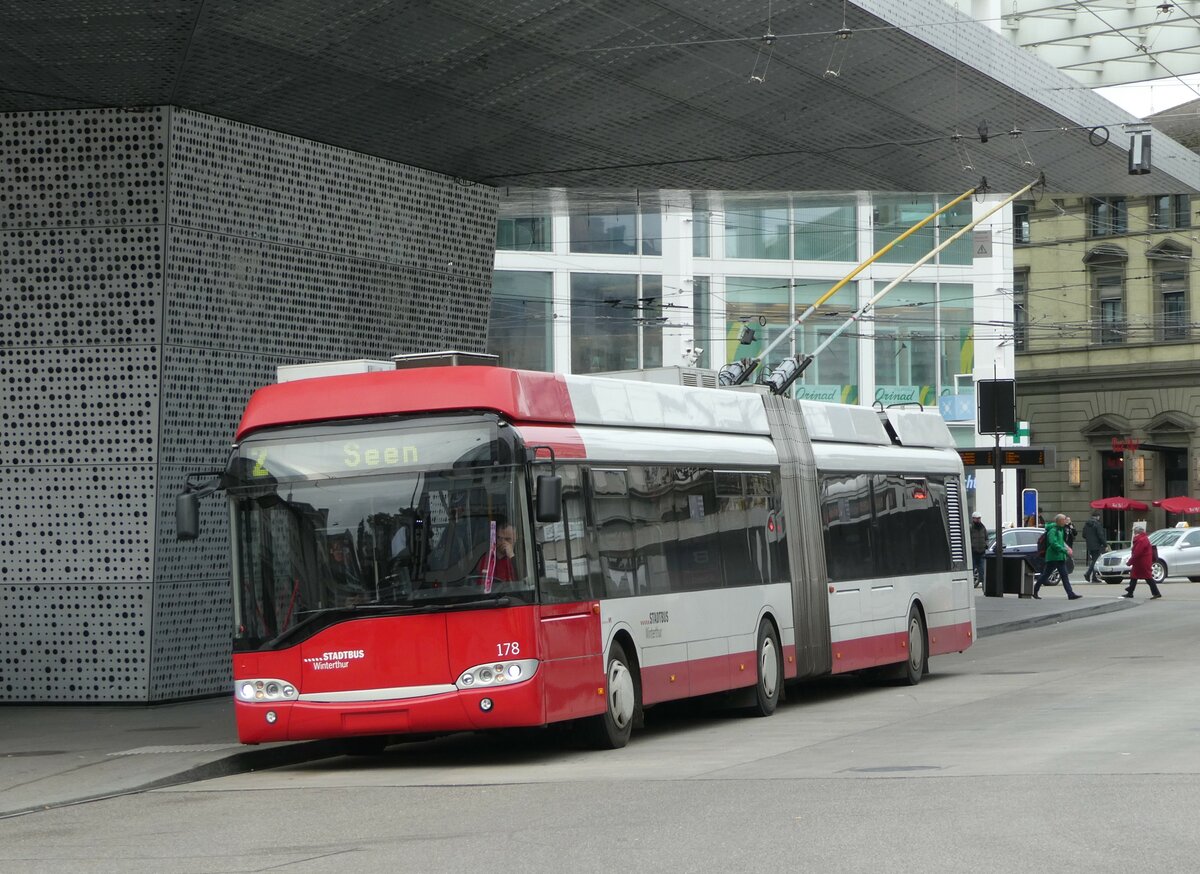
{"points": [[56, 755]]}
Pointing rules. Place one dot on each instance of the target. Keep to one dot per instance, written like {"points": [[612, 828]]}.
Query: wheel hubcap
{"points": [[768, 668], [620, 694], [916, 645]]}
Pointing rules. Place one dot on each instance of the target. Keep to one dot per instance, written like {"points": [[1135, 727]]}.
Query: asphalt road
{"points": [[1064, 748]]}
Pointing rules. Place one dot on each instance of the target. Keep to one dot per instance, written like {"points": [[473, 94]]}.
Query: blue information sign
{"points": [[1029, 503]]}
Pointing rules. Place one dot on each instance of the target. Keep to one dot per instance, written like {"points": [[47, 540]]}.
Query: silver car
{"points": [[1178, 556]]}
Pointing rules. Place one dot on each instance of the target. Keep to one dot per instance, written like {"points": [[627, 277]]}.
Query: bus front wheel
{"points": [[611, 729]]}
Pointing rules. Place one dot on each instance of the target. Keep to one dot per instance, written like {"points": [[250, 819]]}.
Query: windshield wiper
{"points": [[329, 615], [485, 601], [325, 616], [354, 608]]}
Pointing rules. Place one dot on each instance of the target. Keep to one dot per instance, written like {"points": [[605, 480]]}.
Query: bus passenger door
{"points": [[569, 644]]}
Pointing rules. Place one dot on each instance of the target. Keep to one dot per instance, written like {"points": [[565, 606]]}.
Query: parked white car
{"points": [[1178, 556]]}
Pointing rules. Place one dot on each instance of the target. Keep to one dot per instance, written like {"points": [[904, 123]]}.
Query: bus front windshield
{"points": [[317, 539]]}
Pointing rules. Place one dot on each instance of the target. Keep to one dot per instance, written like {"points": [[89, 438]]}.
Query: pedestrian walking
{"points": [[1070, 532], [978, 545], [1141, 563], [1096, 539], [1057, 553]]}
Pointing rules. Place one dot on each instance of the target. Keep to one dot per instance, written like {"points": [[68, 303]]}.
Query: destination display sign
{"points": [[365, 452], [1010, 456]]}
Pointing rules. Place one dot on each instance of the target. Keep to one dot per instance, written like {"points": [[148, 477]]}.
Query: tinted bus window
{"points": [[613, 521], [733, 529], [846, 514], [885, 525], [655, 528], [695, 562], [914, 534]]}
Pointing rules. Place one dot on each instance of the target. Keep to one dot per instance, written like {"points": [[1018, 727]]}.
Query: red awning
{"points": [[1181, 504], [1119, 502]]}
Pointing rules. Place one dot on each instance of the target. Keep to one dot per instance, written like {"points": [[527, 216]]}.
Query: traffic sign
{"points": [[997, 399]]}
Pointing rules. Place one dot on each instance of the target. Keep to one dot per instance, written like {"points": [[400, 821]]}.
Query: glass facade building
{"points": [[588, 282]]}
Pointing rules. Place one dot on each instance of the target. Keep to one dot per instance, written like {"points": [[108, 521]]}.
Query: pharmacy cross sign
{"points": [[1022, 434]]}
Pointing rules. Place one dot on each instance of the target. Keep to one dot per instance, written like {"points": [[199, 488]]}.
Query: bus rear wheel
{"points": [[770, 670], [917, 663], [611, 729]]}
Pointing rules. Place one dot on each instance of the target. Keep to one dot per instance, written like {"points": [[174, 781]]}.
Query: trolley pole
{"points": [[997, 415], [994, 584]]}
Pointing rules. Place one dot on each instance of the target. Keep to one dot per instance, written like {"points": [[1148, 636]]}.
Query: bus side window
{"points": [[733, 529], [847, 519], [655, 529], [565, 576], [613, 520], [764, 522], [695, 562]]}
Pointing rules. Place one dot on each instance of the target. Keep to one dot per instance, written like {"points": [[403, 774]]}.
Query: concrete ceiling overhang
{"points": [[1108, 42], [588, 93]]}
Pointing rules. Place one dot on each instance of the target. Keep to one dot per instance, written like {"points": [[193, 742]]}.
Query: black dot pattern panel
{"points": [[85, 168], [204, 392], [82, 405], [83, 199], [81, 286], [86, 524], [244, 296], [193, 626], [146, 292], [74, 642], [243, 181]]}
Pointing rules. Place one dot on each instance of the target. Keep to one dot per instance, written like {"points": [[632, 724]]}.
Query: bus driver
{"points": [[503, 561]]}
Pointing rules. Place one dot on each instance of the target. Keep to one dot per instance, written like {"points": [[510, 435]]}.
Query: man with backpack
{"points": [[1057, 553], [1096, 539]]}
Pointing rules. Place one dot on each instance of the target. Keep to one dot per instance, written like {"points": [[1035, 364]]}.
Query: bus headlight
{"points": [[255, 691], [496, 674]]}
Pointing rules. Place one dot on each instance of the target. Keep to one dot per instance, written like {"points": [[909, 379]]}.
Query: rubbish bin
{"points": [[1018, 576]]}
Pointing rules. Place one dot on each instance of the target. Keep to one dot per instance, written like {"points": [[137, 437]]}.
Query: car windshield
{"points": [[314, 546], [1166, 536], [1021, 536]]}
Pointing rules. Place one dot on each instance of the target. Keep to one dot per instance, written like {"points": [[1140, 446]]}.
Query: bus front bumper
{"points": [[512, 706]]}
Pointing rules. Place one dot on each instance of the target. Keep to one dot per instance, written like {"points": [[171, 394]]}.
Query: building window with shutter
{"points": [[1020, 309], [1170, 263], [1109, 291]]}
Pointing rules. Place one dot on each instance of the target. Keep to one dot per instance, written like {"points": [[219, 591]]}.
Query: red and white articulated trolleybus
{"points": [[446, 548]]}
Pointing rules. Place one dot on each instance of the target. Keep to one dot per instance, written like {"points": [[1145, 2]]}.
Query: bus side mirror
{"points": [[187, 506], [549, 498], [187, 516]]}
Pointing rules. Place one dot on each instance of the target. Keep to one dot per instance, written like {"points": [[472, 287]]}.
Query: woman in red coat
{"points": [[1141, 561]]}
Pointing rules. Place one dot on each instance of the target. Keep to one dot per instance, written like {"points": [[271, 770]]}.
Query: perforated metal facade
{"points": [[155, 266]]}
